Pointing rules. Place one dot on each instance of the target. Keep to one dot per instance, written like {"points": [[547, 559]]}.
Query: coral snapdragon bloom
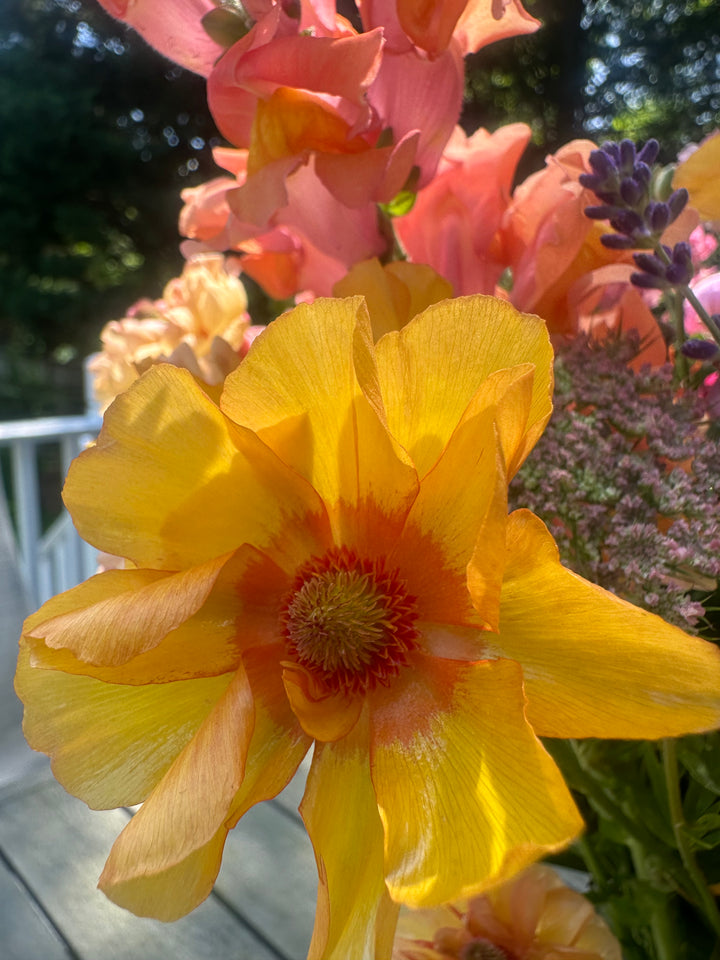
{"points": [[308, 244], [433, 24], [535, 916], [326, 558]]}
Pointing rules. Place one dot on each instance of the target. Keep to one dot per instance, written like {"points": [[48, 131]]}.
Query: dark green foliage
{"points": [[603, 69], [655, 70], [96, 137], [639, 878]]}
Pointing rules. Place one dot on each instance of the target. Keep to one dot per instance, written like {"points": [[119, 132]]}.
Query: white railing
{"points": [[57, 559]]}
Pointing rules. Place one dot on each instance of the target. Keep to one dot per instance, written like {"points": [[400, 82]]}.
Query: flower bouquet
{"points": [[361, 532]]}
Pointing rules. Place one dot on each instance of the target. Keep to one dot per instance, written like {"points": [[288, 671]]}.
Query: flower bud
{"points": [[648, 154], [697, 349]]}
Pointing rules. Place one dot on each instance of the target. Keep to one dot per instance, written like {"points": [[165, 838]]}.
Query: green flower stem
{"points": [[583, 778], [682, 365], [705, 896], [595, 869], [660, 920], [677, 314]]}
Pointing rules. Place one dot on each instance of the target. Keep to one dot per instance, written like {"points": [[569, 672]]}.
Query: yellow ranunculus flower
{"points": [[395, 292], [327, 556], [699, 175]]}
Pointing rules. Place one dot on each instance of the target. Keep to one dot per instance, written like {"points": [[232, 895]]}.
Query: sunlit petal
{"points": [[432, 368], [355, 917], [110, 743], [154, 488], [594, 665], [462, 808]]}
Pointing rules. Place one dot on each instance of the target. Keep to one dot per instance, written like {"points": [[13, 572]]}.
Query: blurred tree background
{"points": [[99, 134]]}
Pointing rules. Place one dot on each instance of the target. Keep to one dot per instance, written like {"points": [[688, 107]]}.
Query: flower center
{"points": [[481, 949], [349, 621]]}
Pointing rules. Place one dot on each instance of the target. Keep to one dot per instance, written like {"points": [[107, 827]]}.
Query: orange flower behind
{"points": [[325, 558], [533, 917]]}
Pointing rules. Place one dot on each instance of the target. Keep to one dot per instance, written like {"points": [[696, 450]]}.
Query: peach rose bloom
{"points": [[199, 323]]}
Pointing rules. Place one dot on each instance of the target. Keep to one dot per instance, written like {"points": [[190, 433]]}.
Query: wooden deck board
{"points": [[25, 933], [58, 847], [52, 850], [269, 876]]}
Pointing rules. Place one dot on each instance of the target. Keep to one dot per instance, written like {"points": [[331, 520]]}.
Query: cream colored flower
{"points": [[199, 324]]}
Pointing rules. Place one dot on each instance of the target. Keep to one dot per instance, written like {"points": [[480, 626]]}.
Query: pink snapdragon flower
{"points": [[702, 245], [454, 225], [174, 27], [307, 244], [707, 289], [472, 24]]}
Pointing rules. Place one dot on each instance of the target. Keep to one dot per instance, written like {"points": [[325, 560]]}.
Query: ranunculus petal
{"points": [[594, 665], [325, 717], [298, 389], [120, 614], [461, 506], [167, 464], [240, 612], [698, 174], [394, 292], [467, 794], [355, 917], [109, 743], [165, 861], [431, 370]]}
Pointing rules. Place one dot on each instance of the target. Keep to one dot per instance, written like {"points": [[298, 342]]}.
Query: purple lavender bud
{"points": [[609, 196], [627, 155], [592, 181], [612, 149], [680, 271], [603, 213], [657, 216], [631, 191], [648, 282], [676, 203], [650, 263], [642, 173], [627, 221], [697, 349], [615, 241], [679, 275], [648, 154], [682, 254], [603, 164]]}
